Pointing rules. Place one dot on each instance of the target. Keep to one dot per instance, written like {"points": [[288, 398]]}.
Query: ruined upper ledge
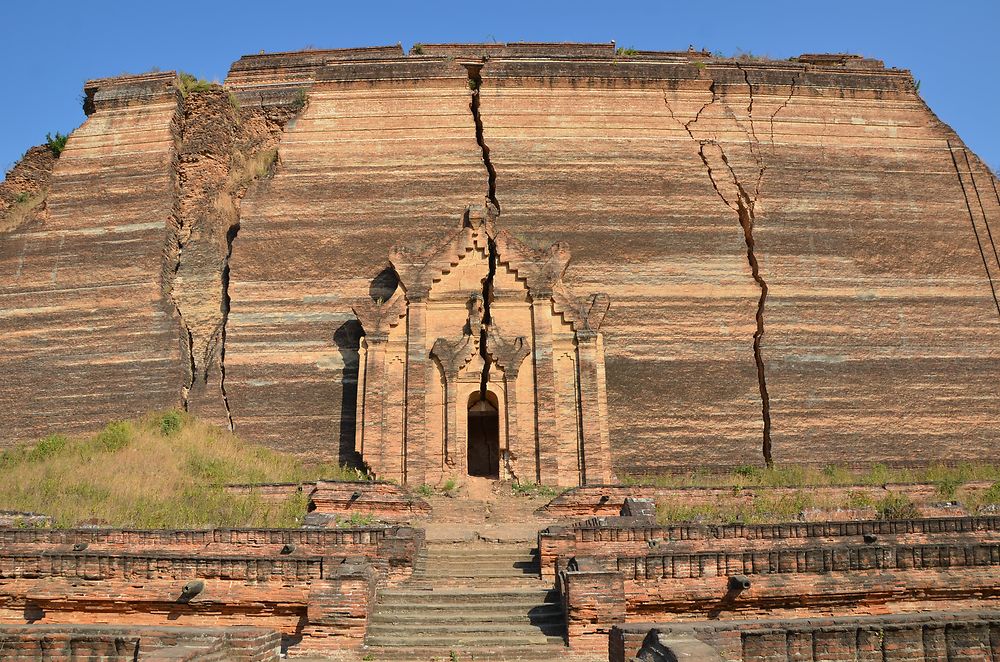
{"points": [[119, 91], [278, 75]]}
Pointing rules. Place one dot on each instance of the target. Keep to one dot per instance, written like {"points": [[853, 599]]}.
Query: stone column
{"points": [[418, 366], [372, 400], [596, 450], [545, 411], [510, 389], [451, 418]]}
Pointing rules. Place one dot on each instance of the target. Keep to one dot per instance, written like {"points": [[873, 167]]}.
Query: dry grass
{"points": [[166, 471], [947, 477]]}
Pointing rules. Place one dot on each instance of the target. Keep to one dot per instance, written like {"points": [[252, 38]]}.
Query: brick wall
{"points": [[24, 643], [382, 499], [317, 595], [817, 580], [612, 537], [607, 500], [972, 635]]}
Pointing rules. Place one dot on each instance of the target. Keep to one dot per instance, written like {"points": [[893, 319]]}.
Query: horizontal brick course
{"points": [[970, 635], [56, 643]]}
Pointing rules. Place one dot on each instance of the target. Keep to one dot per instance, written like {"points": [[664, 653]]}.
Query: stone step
{"points": [[446, 573], [536, 653], [451, 613], [470, 640], [512, 562], [466, 596], [459, 629]]}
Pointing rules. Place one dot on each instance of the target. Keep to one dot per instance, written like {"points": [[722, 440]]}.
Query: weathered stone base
{"points": [[56, 643], [971, 635]]}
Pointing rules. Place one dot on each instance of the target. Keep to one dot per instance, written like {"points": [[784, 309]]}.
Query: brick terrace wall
{"points": [[390, 549], [607, 500], [838, 580], [382, 499], [320, 592], [24, 643], [971, 635], [618, 537]]}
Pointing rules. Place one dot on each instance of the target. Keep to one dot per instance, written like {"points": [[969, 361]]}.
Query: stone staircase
{"points": [[466, 601]]}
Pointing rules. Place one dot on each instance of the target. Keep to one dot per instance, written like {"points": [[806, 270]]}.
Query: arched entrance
{"points": [[484, 436]]}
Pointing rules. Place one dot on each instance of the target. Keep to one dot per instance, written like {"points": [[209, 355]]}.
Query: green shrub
{"points": [[947, 487], [627, 52], [992, 495], [879, 474], [533, 489], [169, 423], [896, 506], [56, 143], [357, 519], [115, 436], [418, 49], [188, 83], [859, 499], [425, 490], [21, 198], [301, 97], [449, 485], [747, 471], [47, 448]]}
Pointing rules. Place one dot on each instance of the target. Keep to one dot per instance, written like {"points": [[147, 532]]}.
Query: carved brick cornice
{"points": [[585, 315], [379, 317], [418, 269], [508, 354], [456, 354]]}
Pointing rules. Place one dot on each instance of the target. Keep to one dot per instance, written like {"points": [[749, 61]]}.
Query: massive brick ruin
{"points": [[798, 256], [513, 262]]}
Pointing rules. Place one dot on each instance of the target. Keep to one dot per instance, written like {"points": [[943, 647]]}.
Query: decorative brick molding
{"points": [[613, 537], [381, 499], [313, 586], [59, 643], [971, 635], [785, 582]]}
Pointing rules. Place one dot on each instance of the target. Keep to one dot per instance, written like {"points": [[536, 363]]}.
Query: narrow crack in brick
{"points": [[975, 230]]}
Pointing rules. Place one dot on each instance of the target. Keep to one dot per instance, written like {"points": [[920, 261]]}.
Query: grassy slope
{"points": [[166, 471]]}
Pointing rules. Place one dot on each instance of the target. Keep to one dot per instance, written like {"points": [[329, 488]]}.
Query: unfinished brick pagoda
{"points": [[363, 255], [797, 253]]}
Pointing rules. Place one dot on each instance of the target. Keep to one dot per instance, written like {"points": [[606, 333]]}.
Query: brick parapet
{"points": [[57, 643], [607, 500], [928, 635], [618, 537], [660, 566], [838, 580]]}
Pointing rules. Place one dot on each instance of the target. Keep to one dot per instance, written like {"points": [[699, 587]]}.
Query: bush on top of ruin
{"points": [[167, 470], [188, 83]]}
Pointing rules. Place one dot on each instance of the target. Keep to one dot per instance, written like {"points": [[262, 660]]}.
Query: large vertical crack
{"points": [[177, 238], [226, 305], [475, 84], [742, 203], [222, 149]]}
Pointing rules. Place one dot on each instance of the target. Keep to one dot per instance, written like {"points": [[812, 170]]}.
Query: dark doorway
{"points": [[484, 436]]}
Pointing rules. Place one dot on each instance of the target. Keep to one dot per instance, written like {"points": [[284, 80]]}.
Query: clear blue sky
{"points": [[48, 48]]}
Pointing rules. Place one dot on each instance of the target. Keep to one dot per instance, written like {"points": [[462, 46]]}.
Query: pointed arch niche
{"points": [[480, 320]]}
